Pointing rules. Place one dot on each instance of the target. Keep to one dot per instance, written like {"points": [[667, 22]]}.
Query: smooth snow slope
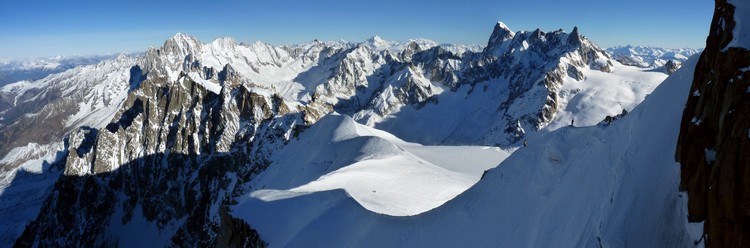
{"points": [[381, 172], [601, 94], [601, 186]]}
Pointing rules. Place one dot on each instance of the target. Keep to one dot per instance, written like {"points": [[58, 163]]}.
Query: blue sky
{"points": [[47, 28]]}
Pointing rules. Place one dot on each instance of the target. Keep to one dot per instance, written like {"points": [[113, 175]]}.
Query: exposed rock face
{"points": [[714, 141], [671, 66], [172, 156]]}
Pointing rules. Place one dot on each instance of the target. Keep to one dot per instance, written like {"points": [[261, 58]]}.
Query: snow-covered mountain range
{"points": [[537, 139], [666, 60], [33, 69]]}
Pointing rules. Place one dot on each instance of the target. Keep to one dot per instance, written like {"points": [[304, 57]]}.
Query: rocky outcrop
{"points": [[671, 66], [714, 136]]}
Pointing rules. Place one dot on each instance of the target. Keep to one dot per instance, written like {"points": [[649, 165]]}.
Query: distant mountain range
{"points": [[656, 58], [33, 69]]}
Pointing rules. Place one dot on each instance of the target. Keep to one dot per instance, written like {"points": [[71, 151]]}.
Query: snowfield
{"points": [[600, 94], [381, 172], [601, 186]]}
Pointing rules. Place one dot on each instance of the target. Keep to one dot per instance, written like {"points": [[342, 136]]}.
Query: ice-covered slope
{"points": [[600, 186], [381, 172]]}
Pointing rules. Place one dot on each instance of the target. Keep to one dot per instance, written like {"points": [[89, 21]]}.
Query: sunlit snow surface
{"points": [[599, 186], [600, 94], [381, 172]]}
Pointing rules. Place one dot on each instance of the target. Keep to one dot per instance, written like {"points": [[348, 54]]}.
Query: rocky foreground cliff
{"points": [[715, 132]]}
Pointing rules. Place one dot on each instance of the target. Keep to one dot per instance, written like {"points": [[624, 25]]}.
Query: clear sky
{"points": [[39, 28]]}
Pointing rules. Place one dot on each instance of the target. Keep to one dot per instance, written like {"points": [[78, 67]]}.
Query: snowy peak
{"points": [[499, 36], [376, 41], [182, 44], [501, 32], [379, 44], [224, 43]]}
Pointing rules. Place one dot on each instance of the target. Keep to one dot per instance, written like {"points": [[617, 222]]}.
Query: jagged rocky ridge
{"points": [[369, 81], [173, 156], [715, 132], [195, 120]]}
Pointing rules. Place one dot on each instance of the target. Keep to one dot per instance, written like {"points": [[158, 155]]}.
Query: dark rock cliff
{"points": [[714, 141]]}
